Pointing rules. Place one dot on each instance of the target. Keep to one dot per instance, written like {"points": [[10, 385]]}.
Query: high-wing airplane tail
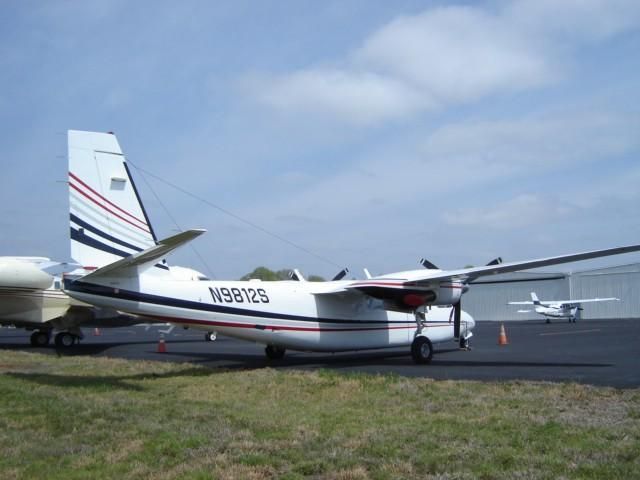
{"points": [[534, 298], [107, 219]]}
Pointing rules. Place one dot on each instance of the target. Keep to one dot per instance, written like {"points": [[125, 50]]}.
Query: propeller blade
{"points": [[296, 275], [427, 264], [495, 261], [457, 309], [340, 275]]}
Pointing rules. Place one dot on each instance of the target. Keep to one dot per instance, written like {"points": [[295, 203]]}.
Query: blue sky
{"points": [[370, 133]]}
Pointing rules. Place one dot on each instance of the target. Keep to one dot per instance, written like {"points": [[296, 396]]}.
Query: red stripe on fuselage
{"points": [[215, 323], [145, 230], [142, 222]]}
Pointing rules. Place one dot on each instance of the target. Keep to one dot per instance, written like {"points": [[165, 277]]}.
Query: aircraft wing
{"points": [[551, 303], [145, 257], [414, 280], [468, 274], [589, 300]]}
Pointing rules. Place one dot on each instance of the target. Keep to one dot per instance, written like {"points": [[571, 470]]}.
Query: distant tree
{"points": [[262, 273], [283, 274], [267, 275]]}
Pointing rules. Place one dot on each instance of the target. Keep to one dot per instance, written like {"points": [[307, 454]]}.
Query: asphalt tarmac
{"points": [[596, 352]]}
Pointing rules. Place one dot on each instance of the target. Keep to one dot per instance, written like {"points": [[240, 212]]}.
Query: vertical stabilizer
{"points": [[534, 297], [108, 221]]}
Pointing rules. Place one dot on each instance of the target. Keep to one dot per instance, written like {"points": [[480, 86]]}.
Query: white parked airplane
{"points": [[31, 297], [559, 308], [413, 308]]}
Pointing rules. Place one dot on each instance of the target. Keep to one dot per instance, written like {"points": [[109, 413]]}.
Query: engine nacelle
{"points": [[23, 274], [449, 293]]}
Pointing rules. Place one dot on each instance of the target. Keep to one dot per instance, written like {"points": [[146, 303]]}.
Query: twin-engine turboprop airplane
{"points": [[559, 308], [414, 308]]}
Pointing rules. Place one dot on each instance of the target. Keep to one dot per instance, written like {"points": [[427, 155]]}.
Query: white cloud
{"points": [[523, 210], [435, 178], [446, 56], [455, 54], [360, 97], [532, 145], [581, 21]]}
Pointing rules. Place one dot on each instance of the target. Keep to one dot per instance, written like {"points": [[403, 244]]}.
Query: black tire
{"points": [[274, 353], [40, 339], [422, 350], [65, 340]]}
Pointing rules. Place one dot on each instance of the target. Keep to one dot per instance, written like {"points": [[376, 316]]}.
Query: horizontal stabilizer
{"points": [[150, 255]]}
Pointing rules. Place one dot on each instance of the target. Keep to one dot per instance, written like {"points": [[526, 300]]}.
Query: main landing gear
{"points": [[274, 353], [421, 347], [66, 340], [421, 350], [40, 338], [210, 336]]}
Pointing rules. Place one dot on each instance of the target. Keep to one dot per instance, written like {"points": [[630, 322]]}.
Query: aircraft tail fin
{"points": [[108, 221], [534, 297]]}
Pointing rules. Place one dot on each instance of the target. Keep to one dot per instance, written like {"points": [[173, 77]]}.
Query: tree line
{"points": [[265, 274]]}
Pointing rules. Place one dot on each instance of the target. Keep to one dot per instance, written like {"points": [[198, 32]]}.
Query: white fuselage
{"points": [[285, 313], [558, 311]]}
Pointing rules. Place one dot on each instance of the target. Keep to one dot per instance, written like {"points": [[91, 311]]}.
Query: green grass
{"points": [[84, 417]]}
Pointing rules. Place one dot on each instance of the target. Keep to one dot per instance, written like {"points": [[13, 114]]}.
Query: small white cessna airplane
{"points": [[110, 232], [559, 308]]}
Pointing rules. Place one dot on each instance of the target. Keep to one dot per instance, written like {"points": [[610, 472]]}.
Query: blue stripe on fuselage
{"points": [[108, 292]]}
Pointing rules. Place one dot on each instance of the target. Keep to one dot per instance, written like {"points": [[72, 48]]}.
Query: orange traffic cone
{"points": [[162, 347], [502, 338], [96, 332]]}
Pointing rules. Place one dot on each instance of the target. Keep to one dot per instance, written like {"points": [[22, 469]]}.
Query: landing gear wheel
{"points": [[274, 353], [65, 340], [40, 339], [210, 336], [422, 350], [464, 343]]}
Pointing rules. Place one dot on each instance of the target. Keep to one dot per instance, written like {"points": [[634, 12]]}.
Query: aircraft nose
{"points": [[468, 319]]}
